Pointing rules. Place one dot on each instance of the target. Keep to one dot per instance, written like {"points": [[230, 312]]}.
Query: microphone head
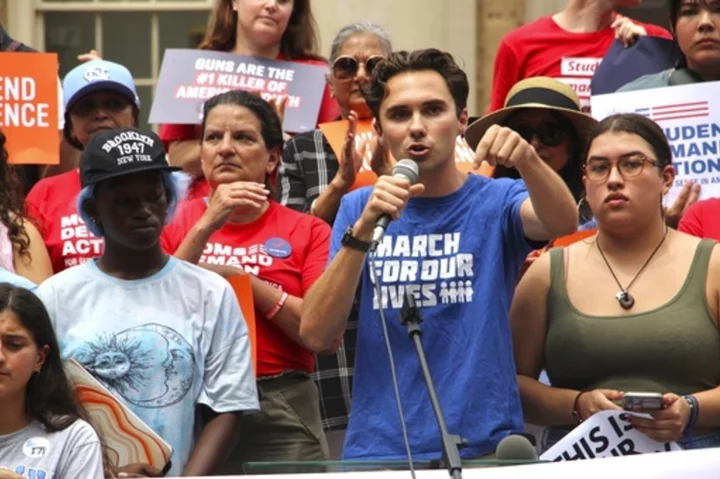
{"points": [[516, 448], [407, 168]]}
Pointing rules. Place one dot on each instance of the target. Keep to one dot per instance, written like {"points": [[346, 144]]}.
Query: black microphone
{"points": [[407, 169], [516, 448]]}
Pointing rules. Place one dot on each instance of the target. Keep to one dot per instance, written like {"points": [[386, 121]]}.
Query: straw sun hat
{"points": [[536, 92]]}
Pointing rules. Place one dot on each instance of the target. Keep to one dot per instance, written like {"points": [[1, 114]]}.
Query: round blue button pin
{"points": [[278, 248]]}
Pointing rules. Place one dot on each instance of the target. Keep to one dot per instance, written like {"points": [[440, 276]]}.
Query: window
{"points": [[134, 33]]}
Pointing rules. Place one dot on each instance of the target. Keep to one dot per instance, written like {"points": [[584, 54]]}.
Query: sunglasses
{"points": [[85, 107], [549, 134], [346, 67]]}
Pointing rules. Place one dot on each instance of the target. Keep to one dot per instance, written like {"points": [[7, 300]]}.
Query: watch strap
{"points": [[352, 242]]}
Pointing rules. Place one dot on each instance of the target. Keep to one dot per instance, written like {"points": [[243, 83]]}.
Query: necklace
{"points": [[623, 296]]}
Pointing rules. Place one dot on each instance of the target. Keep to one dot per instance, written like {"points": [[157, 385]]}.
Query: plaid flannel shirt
{"points": [[308, 165]]}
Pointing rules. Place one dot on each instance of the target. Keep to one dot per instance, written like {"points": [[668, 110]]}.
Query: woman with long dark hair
{"points": [[43, 432], [634, 308], [547, 114], [22, 250], [696, 30], [272, 29]]}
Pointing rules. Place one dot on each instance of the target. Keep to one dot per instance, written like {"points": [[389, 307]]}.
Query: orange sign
{"points": [[243, 290], [574, 238], [335, 134], [29, 107]]}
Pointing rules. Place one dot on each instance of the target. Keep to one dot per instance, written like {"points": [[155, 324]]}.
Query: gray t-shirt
{"points": [[646, 82], [71, 453]]}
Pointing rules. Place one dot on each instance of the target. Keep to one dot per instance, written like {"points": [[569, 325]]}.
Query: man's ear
{"points": [[89, 206], [463, 120], [376, 126]]}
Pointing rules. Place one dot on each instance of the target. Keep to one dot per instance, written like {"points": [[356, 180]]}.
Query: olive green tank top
{"points": [[672, 348]]}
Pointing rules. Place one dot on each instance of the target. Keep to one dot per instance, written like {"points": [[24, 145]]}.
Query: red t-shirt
{"points": [[701, 219], [287, 249], [543, 48], [52, 204]]}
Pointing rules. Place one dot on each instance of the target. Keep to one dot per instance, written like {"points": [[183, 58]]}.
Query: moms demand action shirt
{"points": [[286, 249], [52, 203]]}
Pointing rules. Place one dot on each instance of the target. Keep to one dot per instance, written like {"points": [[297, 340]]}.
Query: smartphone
{"points": [[636, 401]]}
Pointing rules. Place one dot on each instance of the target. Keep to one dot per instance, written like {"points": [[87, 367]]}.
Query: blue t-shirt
{"points": [[16, 280], [461, 255]]}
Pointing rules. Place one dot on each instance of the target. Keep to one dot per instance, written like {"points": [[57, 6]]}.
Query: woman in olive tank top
{"points": [[634, 308]]}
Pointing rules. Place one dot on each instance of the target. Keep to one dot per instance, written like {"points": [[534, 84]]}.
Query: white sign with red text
{"points": [[689, 115]]}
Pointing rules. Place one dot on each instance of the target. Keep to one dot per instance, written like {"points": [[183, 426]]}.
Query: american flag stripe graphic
{"points": [[676, 111]]}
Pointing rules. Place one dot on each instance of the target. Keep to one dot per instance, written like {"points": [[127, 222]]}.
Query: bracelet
{"points": [[694, 411], [278, 306], [576, 412]]}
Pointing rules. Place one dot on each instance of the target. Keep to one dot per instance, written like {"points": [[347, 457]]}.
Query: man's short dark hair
{"points": [[419, 60]]}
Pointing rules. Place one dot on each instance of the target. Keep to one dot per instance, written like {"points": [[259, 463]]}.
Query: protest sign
{"points": [[605, 434], [243, 291], [190, 77], [336, 131], [690, 117], [29, 107]]}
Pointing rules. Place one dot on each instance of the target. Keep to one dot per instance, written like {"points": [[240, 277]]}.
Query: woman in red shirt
{"points": [[98, 95], [273, 29], [240, 228]]}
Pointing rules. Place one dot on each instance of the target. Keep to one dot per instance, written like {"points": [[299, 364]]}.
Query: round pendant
{"points": [[625, 299]]}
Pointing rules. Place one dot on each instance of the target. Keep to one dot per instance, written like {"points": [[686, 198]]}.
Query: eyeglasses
{"points": [[346, 67], [598, 169], [549, 134], [85, 107]]}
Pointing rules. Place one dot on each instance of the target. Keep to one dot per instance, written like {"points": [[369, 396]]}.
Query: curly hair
{"points": [[12, 209], [429, 59]]}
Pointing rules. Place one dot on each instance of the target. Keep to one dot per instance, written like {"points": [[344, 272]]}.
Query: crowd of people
{"points": [[557, 253]]}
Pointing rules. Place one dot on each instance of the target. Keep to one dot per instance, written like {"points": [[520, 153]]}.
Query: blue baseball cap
{"points": [[98, 75]]}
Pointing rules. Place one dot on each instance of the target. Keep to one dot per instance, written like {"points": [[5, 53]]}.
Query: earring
{"points": [[587, 215], [580, 204]]}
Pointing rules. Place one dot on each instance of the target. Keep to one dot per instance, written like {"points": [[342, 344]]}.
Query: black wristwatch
{"points": [[352, 242]]}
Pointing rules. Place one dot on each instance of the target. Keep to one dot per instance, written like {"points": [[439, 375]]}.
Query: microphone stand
{"points": [[410, 317]]}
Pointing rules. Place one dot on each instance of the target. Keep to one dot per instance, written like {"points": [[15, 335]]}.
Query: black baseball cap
{"points": [[119, 152]]}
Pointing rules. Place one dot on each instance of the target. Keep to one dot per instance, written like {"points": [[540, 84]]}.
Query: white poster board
{"points": [[605, 434], [690, 117]]}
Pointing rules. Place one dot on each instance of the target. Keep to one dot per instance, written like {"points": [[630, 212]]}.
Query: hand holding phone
{"points": [[640, 401]]}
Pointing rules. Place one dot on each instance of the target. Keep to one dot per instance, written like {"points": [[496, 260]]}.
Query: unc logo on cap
{"points": [[96, 73], [36, 447]]}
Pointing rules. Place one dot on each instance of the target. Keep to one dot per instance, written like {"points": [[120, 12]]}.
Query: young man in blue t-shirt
{"points": [[457, 246]]}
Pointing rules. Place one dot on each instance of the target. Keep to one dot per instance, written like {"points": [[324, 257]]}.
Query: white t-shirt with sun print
{"points": [[161, 344]]}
